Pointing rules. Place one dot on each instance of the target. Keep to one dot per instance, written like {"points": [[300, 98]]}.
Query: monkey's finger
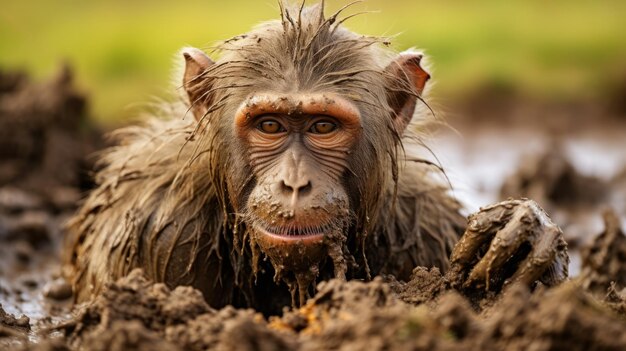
{"points": [[481, 229], [548, 261], [519, 229]]}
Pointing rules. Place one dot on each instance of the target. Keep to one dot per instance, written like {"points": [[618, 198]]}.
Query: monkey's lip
{"points": [[291, 235]]}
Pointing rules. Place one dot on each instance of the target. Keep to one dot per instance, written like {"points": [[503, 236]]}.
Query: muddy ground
{"points": [[570, 158]]}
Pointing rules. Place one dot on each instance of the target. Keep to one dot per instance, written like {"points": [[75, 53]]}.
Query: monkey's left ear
{"points": [[406, 82], [196, 63]]}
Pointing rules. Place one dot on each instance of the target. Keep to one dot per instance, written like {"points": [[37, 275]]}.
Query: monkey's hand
{"points": [[512, 241]]}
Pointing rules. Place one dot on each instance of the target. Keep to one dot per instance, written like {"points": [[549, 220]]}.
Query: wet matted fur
{"points": [[170, 196]]}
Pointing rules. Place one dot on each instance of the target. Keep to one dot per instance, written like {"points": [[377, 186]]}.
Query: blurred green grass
{"points": [[123, 51]]}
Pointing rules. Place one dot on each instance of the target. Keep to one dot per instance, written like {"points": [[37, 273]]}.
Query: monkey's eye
{"points": [[322, 127], [270, 127]]}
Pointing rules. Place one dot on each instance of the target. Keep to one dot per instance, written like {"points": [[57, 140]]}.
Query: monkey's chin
{"points": [[292, 252]]}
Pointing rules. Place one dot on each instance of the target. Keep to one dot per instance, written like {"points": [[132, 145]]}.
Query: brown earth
{"points": [[42, 173], [45, 138]]}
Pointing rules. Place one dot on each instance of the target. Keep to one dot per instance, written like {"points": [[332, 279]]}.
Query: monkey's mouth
{"points": [[291, 234]]}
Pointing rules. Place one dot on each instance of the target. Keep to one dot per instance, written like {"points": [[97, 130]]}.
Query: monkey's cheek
{"points": [[295, 254]]}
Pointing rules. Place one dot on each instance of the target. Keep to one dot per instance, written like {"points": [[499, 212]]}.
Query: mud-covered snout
{"points": [[298, 207], [296, 223], [297, 197], [293, 186]]}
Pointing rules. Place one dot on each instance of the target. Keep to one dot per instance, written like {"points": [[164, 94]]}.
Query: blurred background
{"points": [[122, 51]]}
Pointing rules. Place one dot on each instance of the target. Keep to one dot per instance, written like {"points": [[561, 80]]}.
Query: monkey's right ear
{"points": [[196, 63]]}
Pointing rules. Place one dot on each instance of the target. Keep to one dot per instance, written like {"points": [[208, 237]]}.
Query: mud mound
{"points": [[604, 261], [9, 322], [134, 313], [368, 316], [563, 318], [44, 132], [135, 298], [127, 335], [365, 316], [552, 181], [229, 329], [424, 285]]}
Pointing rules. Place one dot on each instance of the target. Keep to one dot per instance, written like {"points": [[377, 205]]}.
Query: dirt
{"points": [[604, 260], [42, 174], [551, 180], [45, 140], [136, 314]]}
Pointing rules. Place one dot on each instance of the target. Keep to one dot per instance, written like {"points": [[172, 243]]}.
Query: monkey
{"points": [[287, 161]]}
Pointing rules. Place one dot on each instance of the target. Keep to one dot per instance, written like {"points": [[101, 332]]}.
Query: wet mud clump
{"points": [[45, 135], [11, 325], [604, 260], [565, 317], [552, 181], [134, 313], [337, 319], [424, 286]]}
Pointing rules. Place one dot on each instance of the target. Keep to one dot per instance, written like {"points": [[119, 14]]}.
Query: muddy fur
{"points": [[171, 195]]}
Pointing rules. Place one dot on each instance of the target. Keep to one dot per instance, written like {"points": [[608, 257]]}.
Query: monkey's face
{"points": [[298, 148], [314, 161]]}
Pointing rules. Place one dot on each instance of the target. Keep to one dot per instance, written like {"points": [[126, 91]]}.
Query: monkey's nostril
{"points": [[305, 189], [286, 189]]}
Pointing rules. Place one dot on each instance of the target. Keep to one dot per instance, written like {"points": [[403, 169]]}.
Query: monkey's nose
{"points": [[295, 189]]}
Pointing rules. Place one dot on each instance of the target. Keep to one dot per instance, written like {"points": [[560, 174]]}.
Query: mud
{"points": [[298, 264], [604, 260], [45, 136], [426, 312], [552, 181], [134, 313], [11, 325], [45, 140], [42, 174]]}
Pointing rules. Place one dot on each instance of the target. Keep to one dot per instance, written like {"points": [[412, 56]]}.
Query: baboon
{"points": [[289, 160]]}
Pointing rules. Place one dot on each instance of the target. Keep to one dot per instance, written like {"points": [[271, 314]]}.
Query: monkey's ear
{"points": [[196, 63], [407, 80]]}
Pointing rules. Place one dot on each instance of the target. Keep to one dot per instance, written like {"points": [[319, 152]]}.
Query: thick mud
{"points": [[42, 175], [422, 314], [45, 140]]}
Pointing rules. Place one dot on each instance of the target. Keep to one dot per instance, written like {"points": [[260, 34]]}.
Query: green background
{"points": [[124, 51]]}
